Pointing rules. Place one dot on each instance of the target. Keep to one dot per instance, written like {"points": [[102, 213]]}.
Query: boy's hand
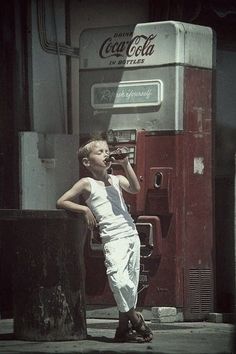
{"points": [[121, 160], [90, 219]]}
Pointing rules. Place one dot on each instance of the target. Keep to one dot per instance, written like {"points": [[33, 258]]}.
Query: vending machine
{"points": [[149, 86]]}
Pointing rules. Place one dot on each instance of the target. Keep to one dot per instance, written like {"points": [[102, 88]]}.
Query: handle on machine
{"points": [[158, 179], [156, 238]]}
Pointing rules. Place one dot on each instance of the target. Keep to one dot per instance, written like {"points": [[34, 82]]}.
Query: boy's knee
{"points": [[119, 282]]}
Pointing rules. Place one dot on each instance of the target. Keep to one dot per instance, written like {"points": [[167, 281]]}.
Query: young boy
{"points": [[121, 245]]}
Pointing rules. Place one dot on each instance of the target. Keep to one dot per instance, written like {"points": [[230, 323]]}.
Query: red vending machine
{"points": [[149, 86]]}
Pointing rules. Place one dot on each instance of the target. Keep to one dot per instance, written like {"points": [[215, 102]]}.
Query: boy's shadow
{"points": [[100, 339], [7, 336], [11, 336]]}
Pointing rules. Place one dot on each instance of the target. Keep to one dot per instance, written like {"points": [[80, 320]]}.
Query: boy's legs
{"points": [[133, 270], [125, 317], [133, 317], [123, 321], [122, 259], [125, 331], [139, 325]]}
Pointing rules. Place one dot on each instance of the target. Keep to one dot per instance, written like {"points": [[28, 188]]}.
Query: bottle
{"points": [[118, 154]]}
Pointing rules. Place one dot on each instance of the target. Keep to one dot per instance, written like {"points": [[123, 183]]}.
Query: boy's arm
{"points": [[129, 183], [66, 201]]}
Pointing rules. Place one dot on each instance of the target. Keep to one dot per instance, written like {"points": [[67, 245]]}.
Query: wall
{"points": [[47, 71], [48, 167], [44, 178], [225, 112], [92, 14], [47, 154], [225, 143], [235, 239]]}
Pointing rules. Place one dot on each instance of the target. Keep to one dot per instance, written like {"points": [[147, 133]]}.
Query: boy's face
{"points": [[99, 151]]}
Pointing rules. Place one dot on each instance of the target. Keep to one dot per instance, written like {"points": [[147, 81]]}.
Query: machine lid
{"points": [[147, 44]]}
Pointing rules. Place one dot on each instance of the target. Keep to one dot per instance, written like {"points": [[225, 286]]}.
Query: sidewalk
{"points": [[171, 338]]}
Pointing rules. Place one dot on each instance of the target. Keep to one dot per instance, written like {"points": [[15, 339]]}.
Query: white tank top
{"points": [[108, 206]]}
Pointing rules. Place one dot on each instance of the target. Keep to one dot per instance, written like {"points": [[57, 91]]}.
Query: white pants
{"points": [[122, 261]]}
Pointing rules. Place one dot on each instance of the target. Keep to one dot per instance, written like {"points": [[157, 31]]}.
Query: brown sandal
{"points": [[143, 329], [125, 336]]}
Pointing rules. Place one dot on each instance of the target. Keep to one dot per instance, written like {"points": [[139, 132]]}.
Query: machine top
{"points": [[147, 44]]}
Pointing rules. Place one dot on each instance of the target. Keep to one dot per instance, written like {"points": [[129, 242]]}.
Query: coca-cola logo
{"points": [[139, 45]]}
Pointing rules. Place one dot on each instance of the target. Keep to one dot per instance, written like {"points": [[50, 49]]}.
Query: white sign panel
{"points": [[141, 93]]}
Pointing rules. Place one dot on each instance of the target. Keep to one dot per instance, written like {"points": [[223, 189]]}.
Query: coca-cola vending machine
{"points": [[149, 86]]}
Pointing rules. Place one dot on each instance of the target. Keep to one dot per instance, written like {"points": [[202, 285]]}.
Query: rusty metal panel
{"points": [[47, 274]]}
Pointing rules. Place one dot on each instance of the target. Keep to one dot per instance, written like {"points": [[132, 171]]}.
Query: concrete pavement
{"points": [[169, 338]]}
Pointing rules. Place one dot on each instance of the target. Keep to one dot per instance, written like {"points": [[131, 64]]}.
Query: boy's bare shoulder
{"points": [[83, 183]]}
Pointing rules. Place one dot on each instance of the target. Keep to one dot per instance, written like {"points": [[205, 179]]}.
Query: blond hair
{"points": [[86, 148]]}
